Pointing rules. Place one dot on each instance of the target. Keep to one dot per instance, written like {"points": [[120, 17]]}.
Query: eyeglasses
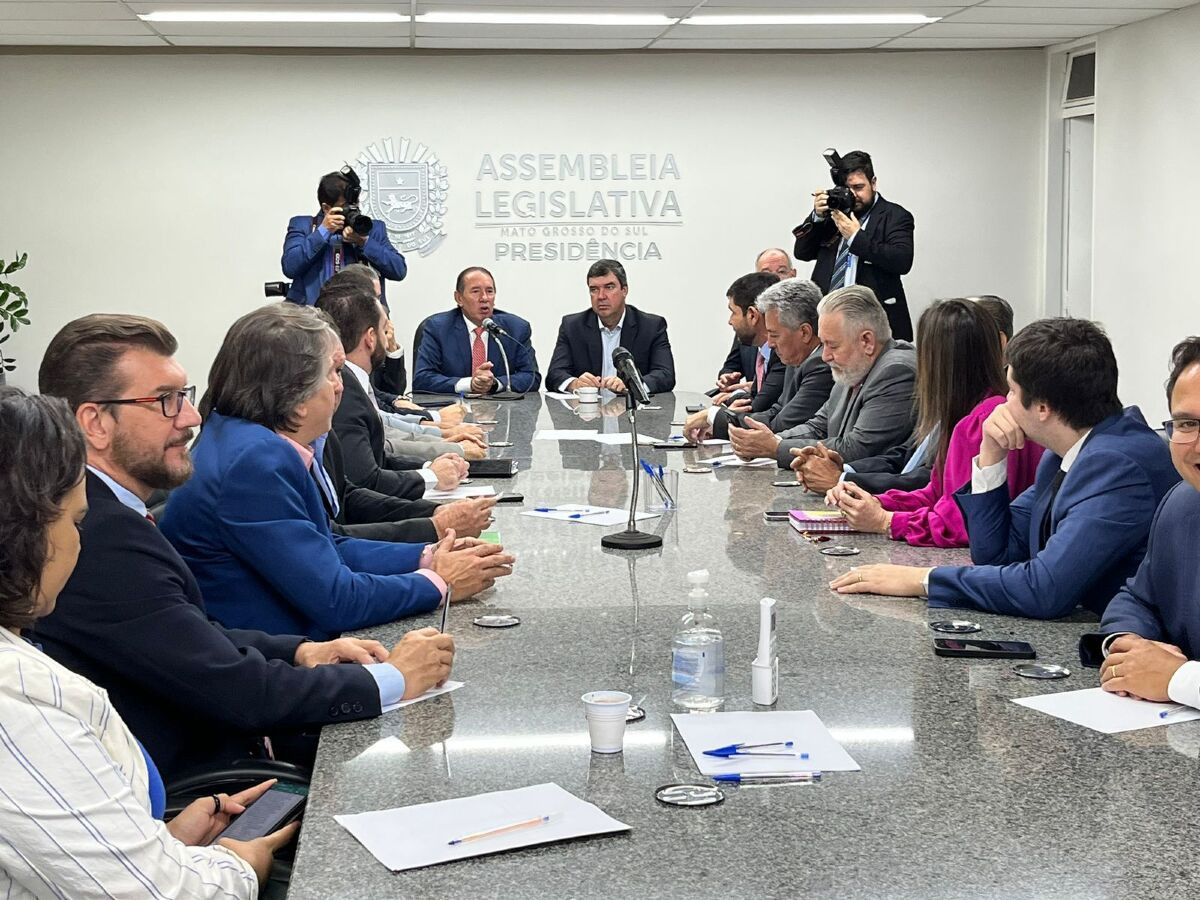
{"points": [[1182, 431], [170, 401]]}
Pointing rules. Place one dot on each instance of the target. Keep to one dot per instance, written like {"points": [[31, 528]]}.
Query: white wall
{"points": [[1147, 145], [162, 184]]}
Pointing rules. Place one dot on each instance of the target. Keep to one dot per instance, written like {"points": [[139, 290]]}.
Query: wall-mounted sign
{"points": [[546, 207], [405, 187]]}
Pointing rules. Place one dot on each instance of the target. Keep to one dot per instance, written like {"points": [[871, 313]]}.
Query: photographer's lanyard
{"points": [[845, 263], [335, 258]]}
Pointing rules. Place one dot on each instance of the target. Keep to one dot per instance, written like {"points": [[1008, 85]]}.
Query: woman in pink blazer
{"points": [[960, 380]]}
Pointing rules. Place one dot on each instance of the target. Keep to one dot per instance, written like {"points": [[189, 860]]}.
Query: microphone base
{"points": [[631, 540], [504, 395]]}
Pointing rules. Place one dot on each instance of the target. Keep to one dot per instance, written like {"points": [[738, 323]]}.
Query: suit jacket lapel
{"points": [[1038, 513], [591, 340]]}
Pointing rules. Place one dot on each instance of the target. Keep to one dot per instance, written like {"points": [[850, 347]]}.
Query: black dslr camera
{"points": [[351, 211], [839, 196]]}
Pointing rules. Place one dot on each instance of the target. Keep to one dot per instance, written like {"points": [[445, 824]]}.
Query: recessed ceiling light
{"points": [[816, 19], [272, 16], [503, 18]]}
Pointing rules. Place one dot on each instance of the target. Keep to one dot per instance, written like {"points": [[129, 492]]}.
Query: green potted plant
{"points": [[14, 309]]}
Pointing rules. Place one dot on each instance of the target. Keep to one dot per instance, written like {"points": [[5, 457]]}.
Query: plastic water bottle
{"points": [[698, 652]]}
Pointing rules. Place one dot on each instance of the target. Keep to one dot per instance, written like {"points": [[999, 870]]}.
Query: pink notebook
{"points": [[818, 520]]}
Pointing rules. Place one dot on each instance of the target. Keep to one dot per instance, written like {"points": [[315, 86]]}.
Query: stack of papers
{"points": [[803, 728], [615, 438], [588, 515], [412, 837], [461, 492], [1099, 710]]}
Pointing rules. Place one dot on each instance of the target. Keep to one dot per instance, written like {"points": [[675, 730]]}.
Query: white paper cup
{"points": [[605, 712], [587, 394]]}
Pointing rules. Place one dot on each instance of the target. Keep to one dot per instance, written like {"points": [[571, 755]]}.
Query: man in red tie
{"points": [[456, 354], [750, 332]]}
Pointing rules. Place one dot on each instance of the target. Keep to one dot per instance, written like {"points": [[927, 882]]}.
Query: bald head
{"points": [[775, 261]]}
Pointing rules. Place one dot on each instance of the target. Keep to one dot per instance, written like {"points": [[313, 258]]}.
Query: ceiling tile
{"points": [[48, 9], [360, 43], [105, 27], [1107, 4], [328, 34], [950, 30], [80, 40], [1058, 15], [906, 43]]}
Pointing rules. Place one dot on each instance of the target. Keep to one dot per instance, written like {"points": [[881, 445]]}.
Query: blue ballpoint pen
{"points": [[746, 750], [767, 777], [573, 515]]}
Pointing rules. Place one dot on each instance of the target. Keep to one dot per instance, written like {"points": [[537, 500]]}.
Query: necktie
{"points": [[478, 354], [840, 265], [1054, 486], [760, 366], [153, 521]]}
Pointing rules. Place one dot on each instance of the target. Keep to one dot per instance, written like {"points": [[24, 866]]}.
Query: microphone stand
{"points": [[631, 538], [503, 394]]}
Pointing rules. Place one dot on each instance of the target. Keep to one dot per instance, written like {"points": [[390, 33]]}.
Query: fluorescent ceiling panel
{"points": [[486, 17], [813, 19]]}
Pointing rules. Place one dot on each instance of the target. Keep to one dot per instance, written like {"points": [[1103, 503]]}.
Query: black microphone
{"points": [[628, 370], [492, 327]]}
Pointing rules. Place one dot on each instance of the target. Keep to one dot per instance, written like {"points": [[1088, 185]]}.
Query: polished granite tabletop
{"points": [[962, 793]]}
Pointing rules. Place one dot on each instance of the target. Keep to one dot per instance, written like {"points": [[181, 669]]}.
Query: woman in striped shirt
{"points": [[77, 792]]}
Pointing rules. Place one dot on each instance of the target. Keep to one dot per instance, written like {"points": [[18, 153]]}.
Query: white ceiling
{"points": [[974, 24]]}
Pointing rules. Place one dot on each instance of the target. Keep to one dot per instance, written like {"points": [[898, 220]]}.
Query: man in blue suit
{"points": [[1161, 603], [1074, 536], [251, 524], [457, 355], [586, 340], [318, 246]]}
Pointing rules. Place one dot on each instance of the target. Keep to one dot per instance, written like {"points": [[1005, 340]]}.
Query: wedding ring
{"points": [[217, 804]]}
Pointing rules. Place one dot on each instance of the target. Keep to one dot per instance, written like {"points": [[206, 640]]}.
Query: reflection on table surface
{"points": [[962, 793]]}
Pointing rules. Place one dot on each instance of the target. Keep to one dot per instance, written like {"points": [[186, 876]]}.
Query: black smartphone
{"points": [[712, 392], [673, 445], [776, 515], [510, 497], [983, 649], [270, 812], [695, 407]]}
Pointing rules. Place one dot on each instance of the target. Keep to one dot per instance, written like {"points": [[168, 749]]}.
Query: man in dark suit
{"points": [[1073, 537], [583, 353], [457, 355], [360, 320], [788, 311], [740, 361], [764, 370], [131, 618], [873, 246], [316, 247]]}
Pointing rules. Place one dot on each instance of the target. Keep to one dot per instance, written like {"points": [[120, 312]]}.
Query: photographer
{"points": [[318, 246], [857, 237]]}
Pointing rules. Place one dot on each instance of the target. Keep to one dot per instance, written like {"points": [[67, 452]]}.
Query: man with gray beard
{"points": [[871, 406]]}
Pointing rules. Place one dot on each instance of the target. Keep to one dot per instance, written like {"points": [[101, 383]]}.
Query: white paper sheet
{"points": [[804, 728], [412, 837], [589, 515], [715, 442], [461, 492], [559, 434], [622, 439], [731, 459], [1107, 713], [428, 695]]}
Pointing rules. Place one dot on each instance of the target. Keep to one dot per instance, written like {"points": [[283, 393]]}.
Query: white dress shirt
{"points": [[610, 339], [365, 380], [74, 798], [988, 478]]}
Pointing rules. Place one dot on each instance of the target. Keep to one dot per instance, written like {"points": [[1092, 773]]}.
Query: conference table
{"points": [[961, 793]]}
